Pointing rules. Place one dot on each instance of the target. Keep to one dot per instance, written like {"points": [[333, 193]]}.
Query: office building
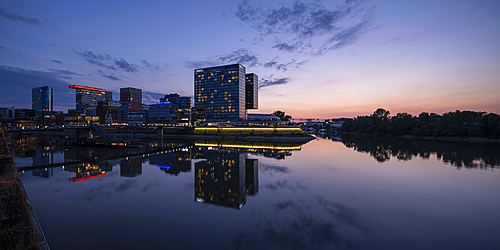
{"points": [[182, 106], [221, 92], [162, 113], [134, 113], [42, 100], [87, 99], [251, 91], [109, 112], [130, 94]]}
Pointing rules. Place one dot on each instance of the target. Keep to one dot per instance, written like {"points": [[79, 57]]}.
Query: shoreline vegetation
{"points": [[466, 126], [16, 225]]}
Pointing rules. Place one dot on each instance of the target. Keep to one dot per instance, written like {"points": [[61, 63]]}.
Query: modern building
{"points": [[87, 99], [182, 107], [109, 112], [251, 91], [42, 100], [134, 113], [130, 94], [162, 113], [221, 92]]}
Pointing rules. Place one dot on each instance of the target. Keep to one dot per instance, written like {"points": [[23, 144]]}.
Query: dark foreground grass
{"points": [[16, 229]]}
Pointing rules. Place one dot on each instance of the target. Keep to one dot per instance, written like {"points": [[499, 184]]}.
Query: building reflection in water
{"points": [[41, 150], [174, 162], [131, 167], [226, 175], [220, 179], [88, 171]]}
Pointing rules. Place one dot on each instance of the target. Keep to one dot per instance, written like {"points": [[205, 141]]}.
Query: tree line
{"points": [[451, 124]]}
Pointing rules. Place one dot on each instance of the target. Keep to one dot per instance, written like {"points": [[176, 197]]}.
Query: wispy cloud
{"points": [[122, 64], [271, 81], [149, 97], [150, 66], [310, 28], [96, 59], [14, 17], [242, 56], [56, 61], [284, 66], [111, 77]]}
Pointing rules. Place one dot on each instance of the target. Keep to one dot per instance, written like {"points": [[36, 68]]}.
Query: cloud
{"points": [[288, 47], [125, 65], [14, 17], [149, 97], [310, 28], [57, 61], [96, 59], [241, 56], [275, 169], [311, 223], [293, 64], [150, 66], [21, 81], [63, 72], [114, 78], [273, 81]]}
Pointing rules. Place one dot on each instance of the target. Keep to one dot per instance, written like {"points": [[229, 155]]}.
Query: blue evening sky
{"points": [[314, 59]]}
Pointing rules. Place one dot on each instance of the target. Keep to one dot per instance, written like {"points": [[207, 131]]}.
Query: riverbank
{"points": [[19, 228]]}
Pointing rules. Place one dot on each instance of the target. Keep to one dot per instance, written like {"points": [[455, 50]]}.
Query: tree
{"points": [[281, 115]]}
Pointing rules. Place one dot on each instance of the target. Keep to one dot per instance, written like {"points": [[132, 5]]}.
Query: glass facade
{"points": [[42, 99], [221, 92], [252, 91], [87, 99]]}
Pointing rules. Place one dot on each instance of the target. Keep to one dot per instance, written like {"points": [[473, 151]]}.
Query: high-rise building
{"points": [[251, 91], [42, 100], [221, 92], [130, 94], [87, 99]]}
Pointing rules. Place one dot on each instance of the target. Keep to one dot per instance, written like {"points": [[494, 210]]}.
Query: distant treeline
{"points": [[451, 124]]}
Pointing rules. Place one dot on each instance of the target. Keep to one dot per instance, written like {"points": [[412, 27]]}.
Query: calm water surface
{"points": [[362, 193]]}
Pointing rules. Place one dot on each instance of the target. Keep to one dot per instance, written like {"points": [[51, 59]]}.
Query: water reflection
{"points": [[88, 171], [173, 163], [131, 167], [468, 155]]}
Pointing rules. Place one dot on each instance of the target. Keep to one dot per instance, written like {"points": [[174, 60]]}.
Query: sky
{"points": [[315, 59]]}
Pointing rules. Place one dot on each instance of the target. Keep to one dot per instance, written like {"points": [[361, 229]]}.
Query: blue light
{"points": [[163, 103], [163, 166]]}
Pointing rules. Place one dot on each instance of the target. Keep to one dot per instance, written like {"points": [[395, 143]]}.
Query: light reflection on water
{"points": [[241, 195]]}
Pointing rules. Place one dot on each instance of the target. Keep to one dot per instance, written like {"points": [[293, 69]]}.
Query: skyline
{"points": [[314, 59]]}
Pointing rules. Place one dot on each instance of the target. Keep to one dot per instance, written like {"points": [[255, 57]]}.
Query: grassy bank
{"points": [[16, 229]]}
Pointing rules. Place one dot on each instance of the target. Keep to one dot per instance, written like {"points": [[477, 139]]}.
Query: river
{"points": [[358, 193]]}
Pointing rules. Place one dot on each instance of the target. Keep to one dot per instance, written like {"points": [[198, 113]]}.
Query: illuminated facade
{"points": [[42, 100], [220, 91], [251, 91], [87, 99], [130, 94]]}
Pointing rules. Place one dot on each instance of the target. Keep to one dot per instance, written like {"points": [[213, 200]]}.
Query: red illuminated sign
{"points": [[87, 88]]}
